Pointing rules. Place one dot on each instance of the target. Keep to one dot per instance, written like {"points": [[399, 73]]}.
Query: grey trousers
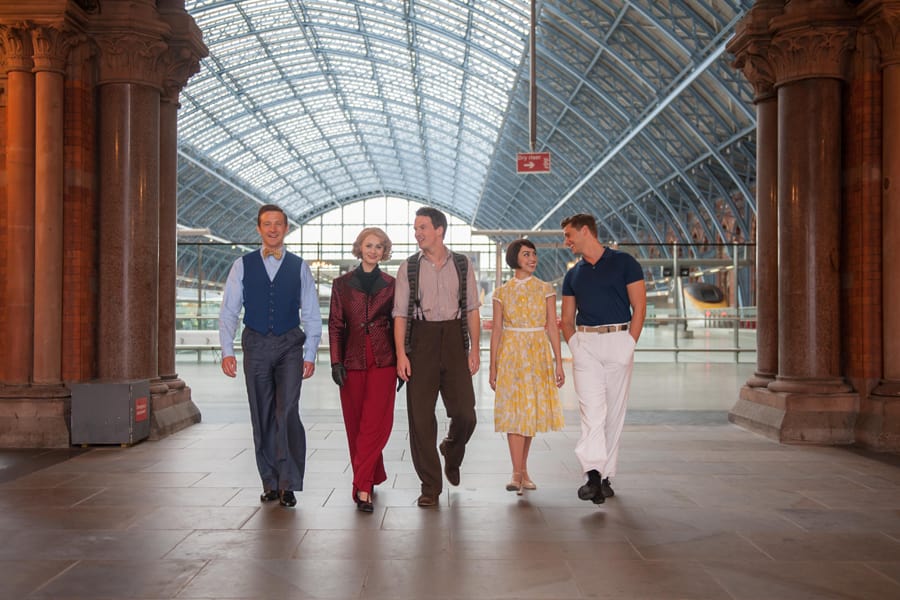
{"points": [[273, 369]]}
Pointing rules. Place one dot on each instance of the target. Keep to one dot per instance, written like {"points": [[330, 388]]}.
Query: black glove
{"points": [[338, 373]]}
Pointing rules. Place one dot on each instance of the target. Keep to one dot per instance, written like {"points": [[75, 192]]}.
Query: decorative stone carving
{"points": [[131, 59], [16, 44], [178, 64], [51, 47], [755, 66], [186, 48], [884, 21], [811, 53], [750, 47]]}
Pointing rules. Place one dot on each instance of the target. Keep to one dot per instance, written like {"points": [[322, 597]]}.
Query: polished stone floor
{"points": [[703, 510]]}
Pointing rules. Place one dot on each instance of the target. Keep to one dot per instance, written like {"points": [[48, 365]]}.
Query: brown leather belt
{"points": [[602, 328]]}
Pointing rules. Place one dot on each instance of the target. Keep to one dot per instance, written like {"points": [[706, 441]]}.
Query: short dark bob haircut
{"points": [[512, 252]]}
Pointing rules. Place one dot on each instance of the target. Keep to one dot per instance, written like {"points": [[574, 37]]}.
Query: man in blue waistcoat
{"points": [[277, 292]]}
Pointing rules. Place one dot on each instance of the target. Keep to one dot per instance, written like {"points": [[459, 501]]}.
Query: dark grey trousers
{"points": [[273, 369]]}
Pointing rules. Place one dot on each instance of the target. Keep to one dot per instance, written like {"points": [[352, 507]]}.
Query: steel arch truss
{"points": [[313, 104]]}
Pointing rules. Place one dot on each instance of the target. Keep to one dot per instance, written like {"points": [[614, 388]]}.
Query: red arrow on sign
{"points": [[533, 162]]}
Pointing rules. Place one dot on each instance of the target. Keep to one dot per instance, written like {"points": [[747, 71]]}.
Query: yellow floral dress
{"points": [[526, 400]]}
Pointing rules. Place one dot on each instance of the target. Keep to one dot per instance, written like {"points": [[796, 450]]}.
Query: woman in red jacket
{"points": [[363, 360]]}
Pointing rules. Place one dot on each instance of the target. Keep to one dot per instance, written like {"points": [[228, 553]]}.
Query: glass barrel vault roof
{"points": [[313, 104]]}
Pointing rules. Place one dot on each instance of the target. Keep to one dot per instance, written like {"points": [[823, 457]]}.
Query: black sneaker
{"points": [[606, 489], [269, 496], [591, 491]]}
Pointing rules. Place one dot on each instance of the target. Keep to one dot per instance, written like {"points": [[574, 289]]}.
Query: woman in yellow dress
{"points": [[523, 375]]}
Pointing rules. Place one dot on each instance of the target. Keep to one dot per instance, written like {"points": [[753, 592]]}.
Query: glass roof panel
{"points": [[314, 103]]}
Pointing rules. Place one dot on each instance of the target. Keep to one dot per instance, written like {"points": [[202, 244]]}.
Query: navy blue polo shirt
{"points": [[600, 290]]}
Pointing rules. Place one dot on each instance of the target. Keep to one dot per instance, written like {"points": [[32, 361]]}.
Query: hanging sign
{"points": [[533, 162]]}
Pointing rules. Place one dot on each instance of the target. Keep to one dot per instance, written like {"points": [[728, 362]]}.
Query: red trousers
{"points": [[367, 401]]}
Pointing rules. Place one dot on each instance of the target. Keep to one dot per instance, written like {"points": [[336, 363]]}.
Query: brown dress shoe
{"points": [[427, 500], [452, 472]]}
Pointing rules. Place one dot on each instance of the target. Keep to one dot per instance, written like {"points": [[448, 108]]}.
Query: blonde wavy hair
{"points": [[377, 232]]}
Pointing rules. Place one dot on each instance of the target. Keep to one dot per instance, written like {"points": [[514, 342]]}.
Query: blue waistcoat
{"points": [[272, 306]]}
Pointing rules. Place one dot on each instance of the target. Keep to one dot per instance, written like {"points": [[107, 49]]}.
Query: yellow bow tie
{"points": [[276, 253]]}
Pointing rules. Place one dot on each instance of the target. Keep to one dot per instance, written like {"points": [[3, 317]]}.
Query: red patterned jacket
{"points": [[354, 314]]}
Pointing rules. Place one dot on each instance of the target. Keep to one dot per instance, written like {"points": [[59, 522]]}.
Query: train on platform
{"points": [[702, 303]]}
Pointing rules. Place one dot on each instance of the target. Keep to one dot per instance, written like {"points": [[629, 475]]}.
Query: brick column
{"points": [[19, 284]]}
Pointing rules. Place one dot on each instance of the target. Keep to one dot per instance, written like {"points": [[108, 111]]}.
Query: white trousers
{"points": [[602, 366]]}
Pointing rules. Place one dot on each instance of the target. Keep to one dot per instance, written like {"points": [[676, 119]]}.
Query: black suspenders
{"points": [[414, 307]]}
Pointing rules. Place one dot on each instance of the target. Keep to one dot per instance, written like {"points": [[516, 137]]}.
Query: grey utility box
{"points": [[110, 412]]}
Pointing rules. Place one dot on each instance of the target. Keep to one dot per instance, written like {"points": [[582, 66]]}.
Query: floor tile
{"points": [[91, 579], [253, 579], [818, 580], [703, 509]]}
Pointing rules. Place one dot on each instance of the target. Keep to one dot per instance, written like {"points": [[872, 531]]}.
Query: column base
{"points": [[797, 418], [760, 379], [172, 411], [33, 416], [809, 385], [173, 381], [878, 426]]}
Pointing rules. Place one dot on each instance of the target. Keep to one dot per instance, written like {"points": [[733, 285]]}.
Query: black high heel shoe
{"points": [[365, 506]]}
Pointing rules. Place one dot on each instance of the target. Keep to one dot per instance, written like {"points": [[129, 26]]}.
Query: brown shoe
{"points": [[452, 472], [427, 500]]}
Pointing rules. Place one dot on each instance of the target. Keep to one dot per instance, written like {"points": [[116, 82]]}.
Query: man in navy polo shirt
{"points": [[604, 303], [277, 292]]}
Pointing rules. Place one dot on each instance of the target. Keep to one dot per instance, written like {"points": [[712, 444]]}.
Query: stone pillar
{"points": [[50, 49], [168, 223], [766, 240], [809, 202], [750, 47], [881, 418], [129, 206], [173, 408], [19, 284], [84, 306], [809, 401]]}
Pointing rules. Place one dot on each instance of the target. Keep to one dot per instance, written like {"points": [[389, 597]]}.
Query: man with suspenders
{"points": [[437, 328]]}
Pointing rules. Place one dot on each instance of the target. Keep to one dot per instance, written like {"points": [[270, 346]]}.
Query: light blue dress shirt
{"points": [[233, 303]]}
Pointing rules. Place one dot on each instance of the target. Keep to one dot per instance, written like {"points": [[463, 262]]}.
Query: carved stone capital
{"points": [[811, 52], [51, 45], [750, 47], [131, 58], [883, 20], [186, 48], [754, 63], [15, 42], [178, 64]]}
